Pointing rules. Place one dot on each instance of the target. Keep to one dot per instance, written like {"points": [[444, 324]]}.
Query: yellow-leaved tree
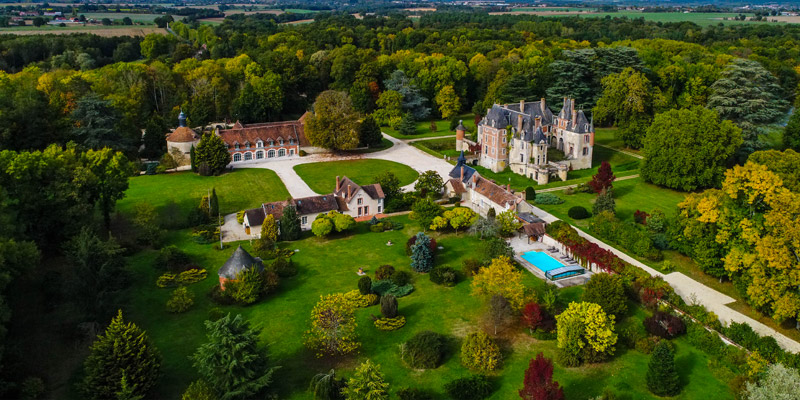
{"points": [[456, 218], [500, 277], [333, 326], [585, 333]]}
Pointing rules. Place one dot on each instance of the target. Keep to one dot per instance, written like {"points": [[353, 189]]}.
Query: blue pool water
{"points": [[541, 260]]}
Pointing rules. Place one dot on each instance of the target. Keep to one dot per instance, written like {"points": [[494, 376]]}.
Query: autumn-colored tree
{"points": [[448, 102], [539, 384], [508, 223], [585, 333], [456, 218], [480, 352], [334, 124], [500, 277], [603, 179], [333, 327]]}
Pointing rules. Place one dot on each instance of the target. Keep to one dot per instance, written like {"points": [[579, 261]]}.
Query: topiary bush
{"points": [[401, 278], [475, 387], [384, 272], [359, 300], [389, 306], [480, 352], [444, 276], [548, 198], [390, 324], [425, 350], [376, 228], [365, 285], [578, 212]]}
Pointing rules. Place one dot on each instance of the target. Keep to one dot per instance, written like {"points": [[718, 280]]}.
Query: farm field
{"points": [[145, 18], [321, 176], [107, 31]]}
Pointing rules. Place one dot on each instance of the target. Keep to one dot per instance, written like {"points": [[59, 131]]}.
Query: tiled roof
{"points": [[494, 192], [182, 134], [375, 191], [255, 216], [458, 187], [275, 131]]}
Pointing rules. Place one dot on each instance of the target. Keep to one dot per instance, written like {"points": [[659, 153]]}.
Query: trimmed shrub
{"points": [[475, 387], [390, 324], [548, 198], [284, 267], [480, 352], [365, 285], [530, 193], [742, 334], [361, 300], [172, 259], [389, 306], [382, 288], [662, 378], [664, 325], [181, 300], [376, 228], [470, 267], [400, 278], [425, 350], [413, 394], [191, 276], [444, 276], [578, 212], [384, 272]]}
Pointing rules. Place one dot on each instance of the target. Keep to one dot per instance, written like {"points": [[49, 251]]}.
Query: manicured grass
{"points": [[438, 147], [239, 189], [608, 137], [442, 128], [329, 266], [321, 176]]}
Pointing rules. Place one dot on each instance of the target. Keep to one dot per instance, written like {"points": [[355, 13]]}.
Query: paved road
{"points": [[400, 152], [691, 290]]}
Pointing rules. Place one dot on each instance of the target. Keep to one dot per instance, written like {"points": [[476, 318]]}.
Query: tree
{"points": [[290, 224], [269, 235], [429, 184], [534, 316], [456, 218], [421, 254], [39, 21], [325, 386], [154, 143], [334, 123], [123, 350], [604, 202], [413, 102], [628, 101], [199, 390], [213, 203], [779, 382], [127, 21], [749, 95], [322, 226], [689, 149], [530, 193], [508, 223], [390, 185], [100, 274], [231, 361], [500, 277], [333, 327], [106, 21], [192, 160], [480, 352], [785, 164], [662, 378], [367, 384], [390, 110], [608, 291], [791, 134], [407, 125], [425, 211], [96, 124], [212, 154], [388, 306], [538, 383], [484, 227], [369, 133], [110, 172], [180, 300], [448, 102], [365, 285], [603, 179], [499, 313], [585, 333]]}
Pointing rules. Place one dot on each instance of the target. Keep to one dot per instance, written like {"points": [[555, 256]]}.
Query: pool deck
{"points": [[521, 246]]}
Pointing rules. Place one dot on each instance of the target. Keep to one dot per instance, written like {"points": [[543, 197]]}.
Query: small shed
{"points": [[238, 262], [534, 227]]}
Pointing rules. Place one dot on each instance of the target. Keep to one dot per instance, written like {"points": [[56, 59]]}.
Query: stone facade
{"points": [[518, 136]]}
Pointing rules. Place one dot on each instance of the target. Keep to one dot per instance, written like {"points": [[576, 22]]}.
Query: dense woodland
{"points": [[73, 110]]}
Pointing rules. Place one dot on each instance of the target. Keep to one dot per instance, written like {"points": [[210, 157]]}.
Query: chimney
{"points": [[508, 188], [349, 189], [337, 183], [462, 173], [538, 122], [574, 111], [541, 103], [522, 105], [474, 178], [519, 122]]}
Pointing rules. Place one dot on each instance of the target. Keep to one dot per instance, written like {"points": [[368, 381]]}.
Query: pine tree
{"points": [[213, 204], [367, 384], [122, 360], [127, 391], [604, 202], [369, 133], [791, 135], [212, 154], [193, 159], [603, 179], [325, 386], [662, 379], [539, 384], [231, 361], [290, 224], [408, 126], [421, 254], [155, 144]]}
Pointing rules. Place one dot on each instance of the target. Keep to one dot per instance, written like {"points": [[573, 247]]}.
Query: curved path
{"points": [[400, 152]]}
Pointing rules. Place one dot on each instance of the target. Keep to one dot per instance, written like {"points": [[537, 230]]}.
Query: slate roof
{"points": [[275, 131], [316, 204], [255, 216], [581, 124], [183, 134], [455, 173], [501, 116], [239, 261], [348, 189]]}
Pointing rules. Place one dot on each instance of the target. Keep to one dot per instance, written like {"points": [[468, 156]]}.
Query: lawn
{"points": [[237, 190], [438, 147], [442, 128], [328, 266], [321, 176]]}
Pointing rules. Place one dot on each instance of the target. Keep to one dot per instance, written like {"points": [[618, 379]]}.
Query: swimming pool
{"points": [[541, 260]]}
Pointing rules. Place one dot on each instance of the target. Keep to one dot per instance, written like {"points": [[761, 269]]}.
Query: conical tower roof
{"points": [[239, 261]]}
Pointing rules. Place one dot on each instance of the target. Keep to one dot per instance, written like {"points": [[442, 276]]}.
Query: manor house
{"points": [[518, 136]]}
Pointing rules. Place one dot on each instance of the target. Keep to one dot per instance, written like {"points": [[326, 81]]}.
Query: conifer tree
{"points": [[290, 224], [604, 202], [662, 379], [367, 384], [192, 159], [122, 360], [213, 204], [421, 254]]}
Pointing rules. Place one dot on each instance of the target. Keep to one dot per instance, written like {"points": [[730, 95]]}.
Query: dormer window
{"points": [[260, 144], [280, 141], [236, 145], [247, 145], [291, 141], [271, 142]]}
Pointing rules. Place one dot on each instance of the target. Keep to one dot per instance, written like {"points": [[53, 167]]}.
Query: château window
{"points": [[237, 157], [304, 220], [585, 151], [271, 154], [248, 156], [259, 155], [281, 152], [586, 138]]}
